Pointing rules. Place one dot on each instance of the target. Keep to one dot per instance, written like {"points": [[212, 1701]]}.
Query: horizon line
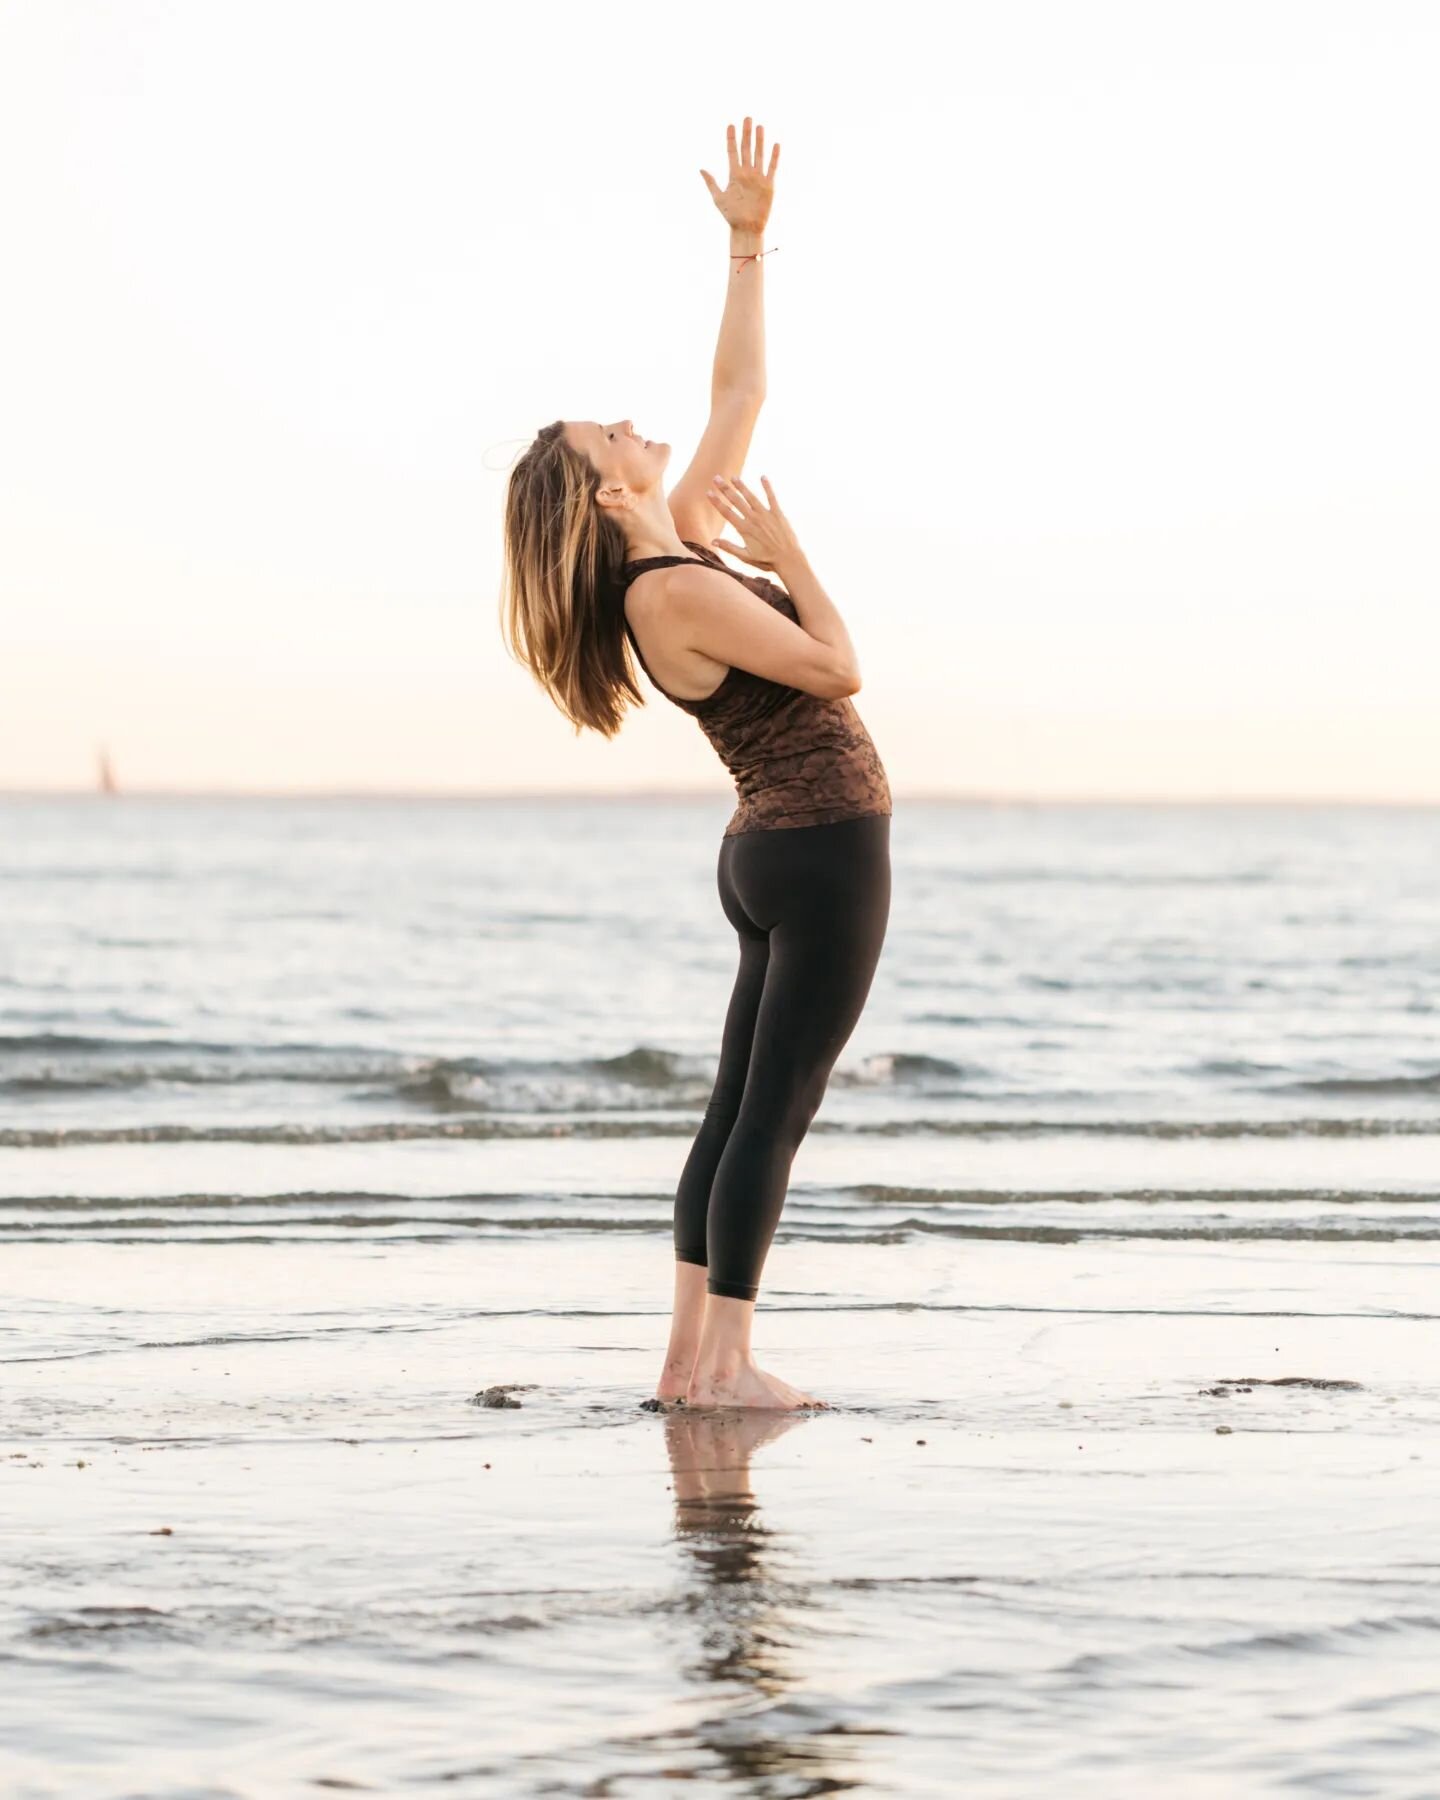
{"points": [[949, 796]]}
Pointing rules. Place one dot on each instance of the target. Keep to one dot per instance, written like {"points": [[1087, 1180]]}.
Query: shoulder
{"points": [[657, 599]]}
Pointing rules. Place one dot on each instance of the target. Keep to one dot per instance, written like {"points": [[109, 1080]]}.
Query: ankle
{"points": [[722, 1364]]}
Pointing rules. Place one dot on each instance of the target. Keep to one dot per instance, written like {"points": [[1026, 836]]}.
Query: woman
{"points": [[597, 553]]}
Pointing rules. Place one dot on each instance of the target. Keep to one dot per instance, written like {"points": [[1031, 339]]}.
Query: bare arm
{"points": [[745, 206], [704, 609], [740, 351], [770, 543], [708, 611], [737, 381], [818, 613]]}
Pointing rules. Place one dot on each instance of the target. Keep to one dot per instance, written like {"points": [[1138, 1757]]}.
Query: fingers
{"points": [[749, 157], [736, 494], [770, 494], [724, 506], [753, 501]]}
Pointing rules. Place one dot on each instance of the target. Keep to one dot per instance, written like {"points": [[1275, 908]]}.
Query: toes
{"points": [[793, 1395]]}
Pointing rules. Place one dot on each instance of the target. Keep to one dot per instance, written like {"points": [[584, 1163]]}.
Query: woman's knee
{"points": [[783, 1107]]}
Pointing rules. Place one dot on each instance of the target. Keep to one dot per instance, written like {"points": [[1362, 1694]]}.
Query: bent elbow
{"points": [[847, 683]]}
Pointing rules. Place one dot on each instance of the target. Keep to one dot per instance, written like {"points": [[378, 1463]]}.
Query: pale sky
{"points": [[1103, 378]]}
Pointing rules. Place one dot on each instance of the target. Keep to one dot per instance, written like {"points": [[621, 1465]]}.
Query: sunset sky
{"points": [[1103, 378]]}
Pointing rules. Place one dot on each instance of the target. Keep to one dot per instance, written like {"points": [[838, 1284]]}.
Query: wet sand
{"points": [[260, 1535]]}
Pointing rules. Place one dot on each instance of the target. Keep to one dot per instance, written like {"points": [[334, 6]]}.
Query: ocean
{"points": [[1113, 1248]]}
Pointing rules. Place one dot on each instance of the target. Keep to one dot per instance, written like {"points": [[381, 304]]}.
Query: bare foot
{"points": [[798, 1396], [744, 1384]]}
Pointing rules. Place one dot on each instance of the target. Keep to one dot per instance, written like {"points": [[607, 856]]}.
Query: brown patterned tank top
{"points": [[796, 758]]}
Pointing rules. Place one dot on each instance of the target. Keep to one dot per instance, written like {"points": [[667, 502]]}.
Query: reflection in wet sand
{"points": [[751, 1605]]}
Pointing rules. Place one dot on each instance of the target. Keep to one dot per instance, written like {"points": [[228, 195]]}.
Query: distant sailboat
{"points": [[108, 783]]}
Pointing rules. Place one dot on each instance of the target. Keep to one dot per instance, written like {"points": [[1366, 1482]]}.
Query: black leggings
{"points": [[810, 904]]}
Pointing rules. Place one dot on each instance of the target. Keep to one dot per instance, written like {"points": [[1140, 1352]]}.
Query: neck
{"points": [[650, 530]]}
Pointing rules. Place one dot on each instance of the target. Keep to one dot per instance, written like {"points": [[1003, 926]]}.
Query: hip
{"points": [[837, 871]]}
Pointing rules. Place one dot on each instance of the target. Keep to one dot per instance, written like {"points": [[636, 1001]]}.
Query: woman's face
{"points": [[624, 459]]}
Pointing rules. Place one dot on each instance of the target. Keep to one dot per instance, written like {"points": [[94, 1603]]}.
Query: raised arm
{"points": [[737, 383], [745, 206]]}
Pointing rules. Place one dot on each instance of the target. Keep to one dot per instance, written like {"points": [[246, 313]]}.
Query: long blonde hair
{"points": [[562, 606]]}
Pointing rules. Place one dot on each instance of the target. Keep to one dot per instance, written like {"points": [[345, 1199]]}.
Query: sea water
{"points": [[1113, 1247]]}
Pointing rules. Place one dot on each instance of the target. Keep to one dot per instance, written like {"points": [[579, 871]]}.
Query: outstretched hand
{"points": [[745, 203]]}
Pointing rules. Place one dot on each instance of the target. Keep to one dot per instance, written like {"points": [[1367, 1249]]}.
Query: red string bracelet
{"points": [[754, 256]]}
